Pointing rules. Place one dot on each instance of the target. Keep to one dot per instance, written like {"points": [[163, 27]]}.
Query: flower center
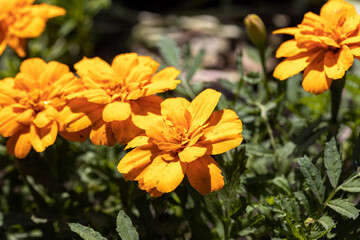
{"points": [[35, 101]]}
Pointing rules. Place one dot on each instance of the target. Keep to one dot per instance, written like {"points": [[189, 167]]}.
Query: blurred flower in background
{"points": [[19, 20]]}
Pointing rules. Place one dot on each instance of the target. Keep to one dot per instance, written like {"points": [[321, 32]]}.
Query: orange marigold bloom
{"points": [[19, 19], [113, 94], [30, 103], [180, 141], [325, 46]]}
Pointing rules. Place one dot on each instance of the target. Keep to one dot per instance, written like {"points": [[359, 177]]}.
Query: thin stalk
{"points": [[334, 191], [264, 70], [336, 89]]}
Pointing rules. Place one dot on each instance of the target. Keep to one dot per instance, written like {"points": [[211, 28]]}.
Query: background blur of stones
{"points": [[215, 26]]}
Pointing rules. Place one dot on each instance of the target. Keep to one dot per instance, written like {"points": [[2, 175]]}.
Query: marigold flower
{"points": [[30, 103], [19, 19], [180, 141], [113, 94], [324, 45]]}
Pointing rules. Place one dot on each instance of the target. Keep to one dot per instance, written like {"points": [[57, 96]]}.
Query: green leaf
{"points": [[312, 178], [352, 186], [125, 228], [170, 51], [344, 207], [332, 162], [282, 183], [195, 65], [87, 233], [327, 222]]}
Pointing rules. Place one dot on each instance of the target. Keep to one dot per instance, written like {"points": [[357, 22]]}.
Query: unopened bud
{"points": [[256, 30]]}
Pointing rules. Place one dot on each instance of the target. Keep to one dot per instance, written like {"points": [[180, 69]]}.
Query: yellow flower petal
{"points": [[292, 65], [201, 107], [123, 63], [290, 31], [8, 124], [137, 141], [222, 133], [336, 64], [79, 136], [26, 117], [175, 110], [34, 67], [116, 111], [138, 158], [102, 134], [163, 81], [125, 131], [95, 68], [163, 176], [148, 61], [28, 27], [192, 153], [205, 175], [288, 49], [19, 144], [314, 77], [41, 138], [332, 10]]}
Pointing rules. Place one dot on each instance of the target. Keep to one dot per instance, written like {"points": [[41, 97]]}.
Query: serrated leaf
{"points": [[332, 162], [327, 222], [312, 178], [195, 65], [300, 196], [282, 183], [87, 233], [125, 228], [352, 186], [344, 207], [170, 51]]}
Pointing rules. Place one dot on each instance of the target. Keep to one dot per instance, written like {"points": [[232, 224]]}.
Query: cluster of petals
{"points": [[113, 94], [30, 104], [19, 19], [324, 46], [179, 142]]}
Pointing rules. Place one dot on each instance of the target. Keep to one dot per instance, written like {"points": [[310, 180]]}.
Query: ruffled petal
{"points": [[191, 153], [136, 160], [163, 81], [289, 49], [223, 132], [289, 30], [102, 134], [123, 63], [95, 68], [46, 11], [292, 65], [19, 144], [162, 175], [116, 111], [337, 63], [138, 141], [314, 77], [41, 138], [175, 110], [8, 123], [80, 136], [125, 130], [202, 107], [80, 114], [205, 175]]}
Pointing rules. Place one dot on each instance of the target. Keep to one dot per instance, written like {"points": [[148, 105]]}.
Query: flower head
{"points": [[19, 19], [180, 141], [113, 94], [30, 103], [324, 46]]}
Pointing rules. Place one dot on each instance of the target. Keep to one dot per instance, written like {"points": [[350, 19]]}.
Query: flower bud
{"points": [[256, 30]]}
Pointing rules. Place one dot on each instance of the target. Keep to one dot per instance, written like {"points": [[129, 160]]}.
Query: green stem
{"points": [[264, 70], [188, 88], [334, 191], [336, 89]]}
